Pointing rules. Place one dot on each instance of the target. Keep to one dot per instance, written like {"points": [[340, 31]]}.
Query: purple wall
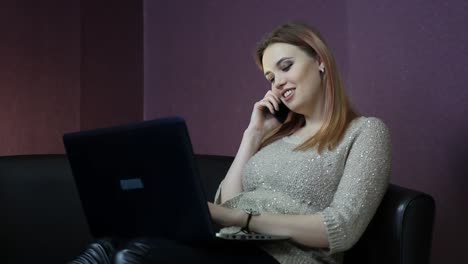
{"points": [[112, 63], [67, 66], [403, 62], [409, 66], [39, 74]]}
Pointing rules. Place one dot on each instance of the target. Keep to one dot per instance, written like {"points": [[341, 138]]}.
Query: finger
{"points": [[273, 101], [261, 105], [266, 103], [277, 98]]}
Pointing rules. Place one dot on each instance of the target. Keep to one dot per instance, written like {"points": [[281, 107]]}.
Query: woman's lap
{"points": [[148, 251]]}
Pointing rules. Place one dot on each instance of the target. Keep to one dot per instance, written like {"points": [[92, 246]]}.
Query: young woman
{"points": [[317, 178]]}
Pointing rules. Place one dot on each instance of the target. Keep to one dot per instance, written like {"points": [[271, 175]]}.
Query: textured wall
{"points": [[39, 74], [403, 61], [112, 63], [409, 65], [67, 66]]}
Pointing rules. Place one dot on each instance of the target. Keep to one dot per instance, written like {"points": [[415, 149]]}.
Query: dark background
{"points": [[79, 64]]}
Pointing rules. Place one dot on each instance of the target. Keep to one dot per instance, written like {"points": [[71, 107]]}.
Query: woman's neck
{"points": [[313, 121]]}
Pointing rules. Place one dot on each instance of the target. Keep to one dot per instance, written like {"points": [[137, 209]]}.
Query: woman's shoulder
{"points": [[365, 127], [368, 124], [368, 129]]}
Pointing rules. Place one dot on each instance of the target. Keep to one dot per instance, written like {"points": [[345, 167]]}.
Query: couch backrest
{"points": [[42, 219], [212, 171]]}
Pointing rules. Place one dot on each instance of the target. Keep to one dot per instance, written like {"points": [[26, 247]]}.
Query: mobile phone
{"points": [[282, 113]]}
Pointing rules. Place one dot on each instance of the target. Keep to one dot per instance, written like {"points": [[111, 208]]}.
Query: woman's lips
{"points": [[289, 94]]}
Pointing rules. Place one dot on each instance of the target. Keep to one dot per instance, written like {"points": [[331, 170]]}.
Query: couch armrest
{"points": [[400, 232]]}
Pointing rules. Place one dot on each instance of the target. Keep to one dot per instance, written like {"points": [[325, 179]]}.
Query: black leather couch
{"points": [[42, 220]]}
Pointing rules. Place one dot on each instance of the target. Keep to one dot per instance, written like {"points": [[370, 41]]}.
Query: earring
{"points": [[322, 68]]}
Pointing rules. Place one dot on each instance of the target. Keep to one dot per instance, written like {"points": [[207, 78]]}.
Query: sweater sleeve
{"points": [[361, 188]]}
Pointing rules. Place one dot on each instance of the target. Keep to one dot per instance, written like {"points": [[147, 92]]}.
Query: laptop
{"points": [[141, 180]]}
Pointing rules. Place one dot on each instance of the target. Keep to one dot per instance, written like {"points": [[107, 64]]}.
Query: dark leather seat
{"points": [[42, 219], [400, 232]]}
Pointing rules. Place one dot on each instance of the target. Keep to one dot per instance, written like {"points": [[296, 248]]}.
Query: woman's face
{"points": [[294, 76]]}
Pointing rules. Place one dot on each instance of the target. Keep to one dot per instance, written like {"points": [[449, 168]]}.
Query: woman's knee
{"points": [[133, 252], [147, 251], [98, 252]]}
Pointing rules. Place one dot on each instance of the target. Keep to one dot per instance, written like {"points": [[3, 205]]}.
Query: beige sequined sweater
{"points": [[344, 185]]}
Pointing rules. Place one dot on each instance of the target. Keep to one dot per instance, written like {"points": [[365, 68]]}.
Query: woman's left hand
{"points": [[226, 216]]}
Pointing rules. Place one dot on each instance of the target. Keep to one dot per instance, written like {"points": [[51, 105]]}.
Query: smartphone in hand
{"points": [[282, 113]]}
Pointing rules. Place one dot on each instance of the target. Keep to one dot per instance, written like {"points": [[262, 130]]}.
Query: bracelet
{"points": [[250, 213]]}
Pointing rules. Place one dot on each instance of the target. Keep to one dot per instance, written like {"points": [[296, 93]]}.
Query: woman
{"points": [[317, 178]]}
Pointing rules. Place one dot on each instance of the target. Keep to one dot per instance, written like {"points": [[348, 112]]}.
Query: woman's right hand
{"points": [[263, 120]]}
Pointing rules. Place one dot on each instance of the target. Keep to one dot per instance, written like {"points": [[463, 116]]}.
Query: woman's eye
{"points": [[287, 67]]}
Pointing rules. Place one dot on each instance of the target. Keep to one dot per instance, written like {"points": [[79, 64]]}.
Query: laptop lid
{"points": [[140, 180]]}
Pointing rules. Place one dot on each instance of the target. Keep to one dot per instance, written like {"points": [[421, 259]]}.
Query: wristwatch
{"points": [[250, 212]]}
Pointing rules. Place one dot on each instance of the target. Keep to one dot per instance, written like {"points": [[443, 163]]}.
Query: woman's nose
{"points": [[280, 81]]}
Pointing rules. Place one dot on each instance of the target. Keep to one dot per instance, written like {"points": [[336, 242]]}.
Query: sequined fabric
{"points": [[344, 185]]}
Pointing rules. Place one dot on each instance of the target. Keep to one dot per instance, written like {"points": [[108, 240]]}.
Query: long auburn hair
{"points": [[337, 110]]}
